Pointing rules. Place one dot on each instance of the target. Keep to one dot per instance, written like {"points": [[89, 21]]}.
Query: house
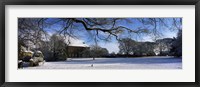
{"points": [[76, 48], [76, 51]]}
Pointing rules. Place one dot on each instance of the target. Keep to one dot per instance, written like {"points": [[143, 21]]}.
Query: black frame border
{"points": [[98, 2]]}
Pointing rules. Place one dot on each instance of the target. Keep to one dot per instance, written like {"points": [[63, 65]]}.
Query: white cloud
{"points": [[170, 34], [167, 34], [111, 47]]}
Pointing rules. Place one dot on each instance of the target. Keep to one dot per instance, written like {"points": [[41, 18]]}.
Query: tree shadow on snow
{"points": [[123, 61]]}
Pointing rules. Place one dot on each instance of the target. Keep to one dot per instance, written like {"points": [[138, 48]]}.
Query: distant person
{"points": [[92, 65]]}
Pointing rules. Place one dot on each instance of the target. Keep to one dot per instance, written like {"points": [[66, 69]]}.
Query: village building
{"points": [[75, 50]]}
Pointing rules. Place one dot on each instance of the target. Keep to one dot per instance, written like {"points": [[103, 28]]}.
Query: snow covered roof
{"points": [[76, 42], [79, 45]]}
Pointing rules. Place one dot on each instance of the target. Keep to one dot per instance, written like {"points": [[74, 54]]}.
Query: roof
{"points": [[76, 42], [79, 45]]}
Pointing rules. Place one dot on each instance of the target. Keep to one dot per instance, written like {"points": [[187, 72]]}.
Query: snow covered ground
{"points": [[114, 63]]}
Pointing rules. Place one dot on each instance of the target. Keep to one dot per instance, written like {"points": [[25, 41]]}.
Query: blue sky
{"points": [[112, 46]]}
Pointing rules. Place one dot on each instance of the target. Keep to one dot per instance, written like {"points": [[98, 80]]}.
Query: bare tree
{"points": [[31, 30], [97, 51], [126, 45], [177, 45], [102, 28], [35, 30]]}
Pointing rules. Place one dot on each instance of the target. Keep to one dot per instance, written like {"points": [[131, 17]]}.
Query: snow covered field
{"points": [[114, 63]]}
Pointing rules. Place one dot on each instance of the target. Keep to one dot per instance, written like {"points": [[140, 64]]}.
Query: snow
{"points": [[75, 42], [114, 63]]}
